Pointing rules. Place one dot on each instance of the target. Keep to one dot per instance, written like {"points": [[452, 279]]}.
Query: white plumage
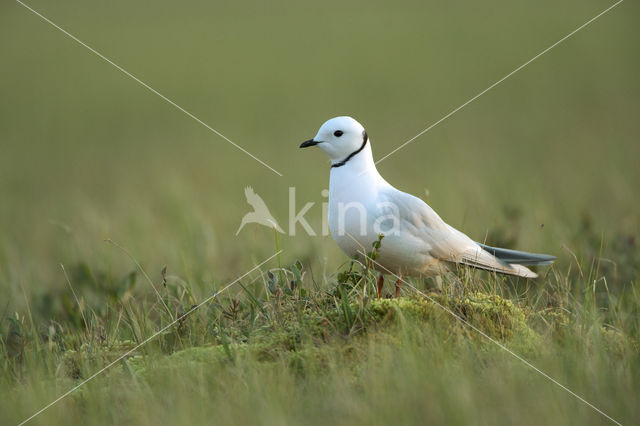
{"points": [[416, 240]]}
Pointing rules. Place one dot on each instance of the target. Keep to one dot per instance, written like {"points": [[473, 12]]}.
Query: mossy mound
{"points": [[312, 339], [314, 335], [474, 317], [496, 316]]}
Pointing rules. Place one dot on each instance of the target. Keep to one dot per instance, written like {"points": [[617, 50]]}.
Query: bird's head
{"points": [[338, 138]]}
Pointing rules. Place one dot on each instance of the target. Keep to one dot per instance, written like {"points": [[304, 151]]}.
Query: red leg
{"points": [[380, 283], [398, 284]]}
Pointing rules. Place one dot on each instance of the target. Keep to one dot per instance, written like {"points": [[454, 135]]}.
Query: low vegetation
{"points": [[281, 345]]}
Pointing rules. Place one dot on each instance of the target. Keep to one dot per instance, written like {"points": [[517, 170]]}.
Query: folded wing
{"points": [[448, 244]]}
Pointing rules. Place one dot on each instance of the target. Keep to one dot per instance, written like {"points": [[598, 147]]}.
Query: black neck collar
{"points": [[365, 138]]}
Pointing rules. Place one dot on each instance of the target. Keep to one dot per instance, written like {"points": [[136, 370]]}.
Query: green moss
{"points": [[551, 321], [314, 337], [494, 316], [616, 342], [308, 341], [390, 309]]}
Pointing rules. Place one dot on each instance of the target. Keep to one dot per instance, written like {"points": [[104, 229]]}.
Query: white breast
{"points": [[360, 207]]}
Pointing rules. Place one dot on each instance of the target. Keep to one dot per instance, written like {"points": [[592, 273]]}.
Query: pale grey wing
{"points": [[444, 241], [418, 220], [412, 210], [470, 253]]}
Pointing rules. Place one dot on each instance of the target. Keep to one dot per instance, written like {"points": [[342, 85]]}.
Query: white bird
{"points": [[417, 242]]}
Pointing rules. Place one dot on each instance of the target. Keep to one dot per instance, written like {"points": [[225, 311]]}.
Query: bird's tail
{"points": [[519, 257]]}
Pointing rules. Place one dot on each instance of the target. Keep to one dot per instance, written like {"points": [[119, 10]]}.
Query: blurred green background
{"points": [[88, 154]]}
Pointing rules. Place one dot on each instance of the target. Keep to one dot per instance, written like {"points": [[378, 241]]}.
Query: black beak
{"points": [[308, 143]]}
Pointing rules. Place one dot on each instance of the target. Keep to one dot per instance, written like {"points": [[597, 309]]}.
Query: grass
{"points": [[140, 205], [282, 348]]}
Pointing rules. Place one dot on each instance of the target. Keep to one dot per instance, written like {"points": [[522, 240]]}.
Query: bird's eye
{"points": [[337, 133]]}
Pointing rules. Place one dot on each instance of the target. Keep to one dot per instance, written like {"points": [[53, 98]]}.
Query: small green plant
{"points": [[279, 329]]}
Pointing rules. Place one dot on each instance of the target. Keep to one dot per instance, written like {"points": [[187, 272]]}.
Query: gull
{"points": [[417, 242], [260, 213]]}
